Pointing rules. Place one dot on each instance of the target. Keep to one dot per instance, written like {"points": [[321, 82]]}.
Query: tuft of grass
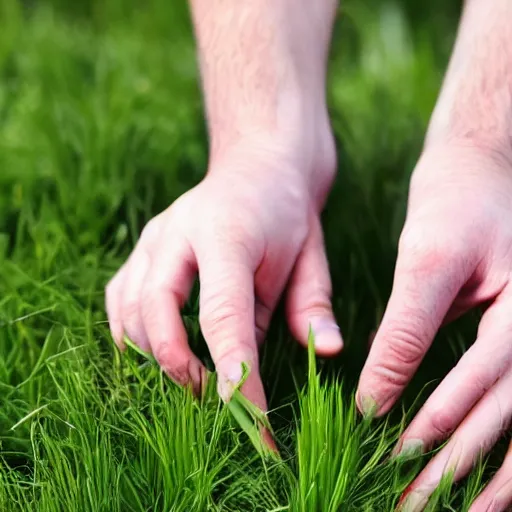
{"points": [[249, 417]]}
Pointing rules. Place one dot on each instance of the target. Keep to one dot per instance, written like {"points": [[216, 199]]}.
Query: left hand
{"points": [[455, 253]]}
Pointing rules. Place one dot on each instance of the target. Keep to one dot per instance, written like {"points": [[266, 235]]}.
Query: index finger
{"points": [[426, 284]]}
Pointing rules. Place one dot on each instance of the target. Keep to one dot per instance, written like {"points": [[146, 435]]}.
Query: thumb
{"points": [[427, 281], [309, 296]]}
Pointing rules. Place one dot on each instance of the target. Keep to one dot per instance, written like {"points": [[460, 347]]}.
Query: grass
{"points": [[101, 127]]}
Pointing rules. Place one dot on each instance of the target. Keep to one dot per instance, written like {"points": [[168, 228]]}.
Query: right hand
{"points": [[249, 228]]}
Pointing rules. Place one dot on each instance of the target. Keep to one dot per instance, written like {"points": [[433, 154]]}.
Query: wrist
{"points": [[466, 166], [469, 135], [295, 127], [285, 106], [305, 154]]}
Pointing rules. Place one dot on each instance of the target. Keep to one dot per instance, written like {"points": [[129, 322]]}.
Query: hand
{"points": [[455, 253], [246, 228]]}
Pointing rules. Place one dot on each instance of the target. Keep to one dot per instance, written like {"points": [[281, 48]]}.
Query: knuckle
{"points": [[388, 376], [221, 320], [482, 380], [164, 353], [403, 353], [218, 315], [242, 350], [150, 294], [442, 422], [155, 288], [480, 375], [148, 306], [130, 309], [413, 240], [242, 236], [174, 364], [423, 248], [406, 343]]}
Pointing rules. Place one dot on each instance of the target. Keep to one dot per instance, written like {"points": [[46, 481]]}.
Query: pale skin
{"points": [[272, 164]]}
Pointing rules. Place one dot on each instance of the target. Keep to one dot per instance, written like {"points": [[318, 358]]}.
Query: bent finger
{"points": [[476, 372], [473, 439], [136, 269], [165, 291], [226, 317], [497, 495], [425, 286]]}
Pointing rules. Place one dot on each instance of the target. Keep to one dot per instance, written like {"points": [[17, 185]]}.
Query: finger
{"points": [[227, 305], [135, 272], [473, 439], [113, 307], [166, 289], [309, 296], [497, 496], [131, 315], [477, 371], [426, 283]]}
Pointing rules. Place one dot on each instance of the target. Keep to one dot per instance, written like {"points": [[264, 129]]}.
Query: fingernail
{"points": [[228, 381], [414, 502], [409, 449], [368, 406], [327, 334]]}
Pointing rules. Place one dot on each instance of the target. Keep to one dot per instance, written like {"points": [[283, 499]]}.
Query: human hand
{"points": [[246, 228], [455, 253]]}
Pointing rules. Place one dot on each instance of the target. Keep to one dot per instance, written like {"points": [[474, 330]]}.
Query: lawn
{"points": [[101, 127]]}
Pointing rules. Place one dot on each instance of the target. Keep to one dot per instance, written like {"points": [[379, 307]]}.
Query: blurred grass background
{"points": [[101, 127]]}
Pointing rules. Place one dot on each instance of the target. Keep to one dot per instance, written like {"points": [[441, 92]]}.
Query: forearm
{"points": [[475, 105], [263, 64]]}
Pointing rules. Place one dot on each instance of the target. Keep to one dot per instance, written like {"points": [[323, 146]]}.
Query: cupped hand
{"points": [[455, 253], [248, 229]]}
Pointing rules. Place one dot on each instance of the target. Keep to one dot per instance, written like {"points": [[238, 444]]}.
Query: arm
{"points": [[263, 68], [475, 104], [272, 162], [472, 120]]}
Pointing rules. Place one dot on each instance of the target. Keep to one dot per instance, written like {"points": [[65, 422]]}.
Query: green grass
{"points": [[101, 127]]}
